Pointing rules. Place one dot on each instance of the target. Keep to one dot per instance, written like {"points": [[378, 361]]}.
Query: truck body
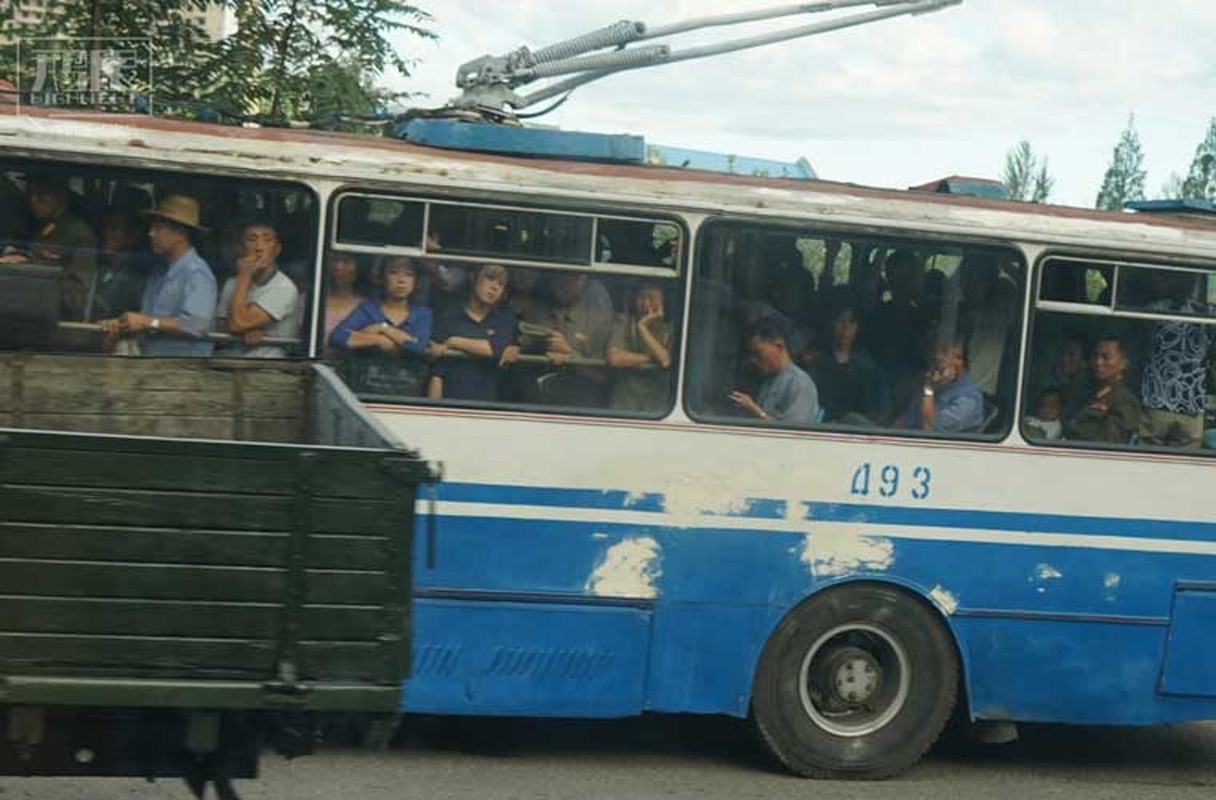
{"points": [[196, 557]]}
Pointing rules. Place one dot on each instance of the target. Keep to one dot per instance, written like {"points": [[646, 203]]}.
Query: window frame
{"points": [[677, 276], [898, 237], [1118, 261], [593, 264], [87, 168]]}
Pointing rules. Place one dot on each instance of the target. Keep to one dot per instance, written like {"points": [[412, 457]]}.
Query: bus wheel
{"points": [[855, 683]]}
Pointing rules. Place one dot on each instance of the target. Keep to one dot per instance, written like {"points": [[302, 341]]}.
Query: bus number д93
{"points": [[888, 481]]}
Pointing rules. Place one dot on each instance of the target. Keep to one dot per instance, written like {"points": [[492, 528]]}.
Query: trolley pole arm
{"points": [[491, 81]]}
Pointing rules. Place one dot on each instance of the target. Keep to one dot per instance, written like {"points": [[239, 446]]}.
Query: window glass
{"points": [[448, 328], [510, 233], [799, 328], [379, 222], [1132, 373], [1082, 282], [642, 243], [87, 248]]}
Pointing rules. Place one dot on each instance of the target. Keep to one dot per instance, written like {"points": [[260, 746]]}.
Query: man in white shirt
{"points": [[260, 302]]}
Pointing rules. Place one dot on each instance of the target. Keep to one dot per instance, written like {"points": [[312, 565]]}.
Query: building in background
{"points": [[213, 19]]}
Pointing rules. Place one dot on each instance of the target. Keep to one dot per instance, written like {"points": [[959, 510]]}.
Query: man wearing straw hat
{"points": [[178, 307]]}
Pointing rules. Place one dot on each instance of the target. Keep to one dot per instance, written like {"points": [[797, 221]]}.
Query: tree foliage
{"points": [[1026, 177], [304, 60], [1124, 179], [307, 59], [1200, 182]]}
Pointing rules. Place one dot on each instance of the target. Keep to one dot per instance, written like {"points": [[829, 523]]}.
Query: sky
{"points": [[893, 103]]}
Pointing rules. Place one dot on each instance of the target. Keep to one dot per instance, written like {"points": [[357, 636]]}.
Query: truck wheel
{"points": [[855, 683]]}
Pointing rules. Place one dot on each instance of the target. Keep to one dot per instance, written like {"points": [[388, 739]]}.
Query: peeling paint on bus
{"points": [[945, 600], [831, 555], [629, 568]]}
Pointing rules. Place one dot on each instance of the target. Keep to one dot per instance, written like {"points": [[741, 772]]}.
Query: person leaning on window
{"points": [[177, 309], [390, 325], [260, 301], [787, 394], [640, 350], [480, 335], [1113, 412]]}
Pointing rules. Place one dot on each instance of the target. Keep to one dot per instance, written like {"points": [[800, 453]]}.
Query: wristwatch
{"points": [[154, 324], [928, 391]]}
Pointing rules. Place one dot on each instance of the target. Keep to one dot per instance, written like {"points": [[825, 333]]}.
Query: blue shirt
{"points": [[186, 292], [790, 396], [468, 377], [958, 407], [369, 312]]}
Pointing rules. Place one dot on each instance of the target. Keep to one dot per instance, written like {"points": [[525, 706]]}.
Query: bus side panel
{"points": [[1076, 673], [534, 659]]}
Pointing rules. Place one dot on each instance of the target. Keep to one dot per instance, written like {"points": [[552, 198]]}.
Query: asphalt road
{"points": [[687, 757]]}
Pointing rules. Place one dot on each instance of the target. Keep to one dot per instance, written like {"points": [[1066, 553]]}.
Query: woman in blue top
{"points": [[389, 329]]}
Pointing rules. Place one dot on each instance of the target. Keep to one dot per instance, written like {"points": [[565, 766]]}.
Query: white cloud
{"points": [[894, 103]]}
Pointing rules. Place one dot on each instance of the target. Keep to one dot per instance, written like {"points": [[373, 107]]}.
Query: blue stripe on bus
{"points": [[1009, 521], [765, 508], [608, 499]]}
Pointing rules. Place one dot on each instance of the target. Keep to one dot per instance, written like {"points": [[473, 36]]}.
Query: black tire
{"points": [[855, 683]]}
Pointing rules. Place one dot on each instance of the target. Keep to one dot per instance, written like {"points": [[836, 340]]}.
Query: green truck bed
{"points": [[195, 536]]}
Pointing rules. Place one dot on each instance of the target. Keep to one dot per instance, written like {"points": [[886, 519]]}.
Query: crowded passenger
{"points": [[1173, 387], [989, 314], [177, 308], [122, 267], [950, 402], [576, 329], [470, 343], [344, 293], [391, 331], [260, 302], [1112, 413], [786, 394], [845, 375], [898, 331], [640, 350], [61, 239]]}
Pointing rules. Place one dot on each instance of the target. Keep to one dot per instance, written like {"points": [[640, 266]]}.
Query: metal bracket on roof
{"points": [[489, 83]]}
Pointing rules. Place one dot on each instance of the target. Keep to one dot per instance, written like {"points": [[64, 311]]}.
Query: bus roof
{"points": [[351, 157]]}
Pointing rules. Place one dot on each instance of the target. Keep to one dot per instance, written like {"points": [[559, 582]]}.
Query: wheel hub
{"points": [[852, 677]]}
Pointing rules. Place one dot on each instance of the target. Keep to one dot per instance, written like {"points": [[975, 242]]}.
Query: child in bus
{"points": [[640, 350], [470, 342], [1047, 421]]}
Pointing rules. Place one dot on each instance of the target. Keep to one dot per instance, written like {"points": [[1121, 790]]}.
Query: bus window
{"points": [[1134, 372], [513, 331], [913, 336], [113, 260], [640, 242], [379, 222], [1087, 283], [491, 232]]}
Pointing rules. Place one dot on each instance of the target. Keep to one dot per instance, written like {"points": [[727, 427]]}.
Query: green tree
{"points": [[176, 45], [308, 59], [1026, 177], [1124, 179], [1200, 182], [1172, 188]]}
